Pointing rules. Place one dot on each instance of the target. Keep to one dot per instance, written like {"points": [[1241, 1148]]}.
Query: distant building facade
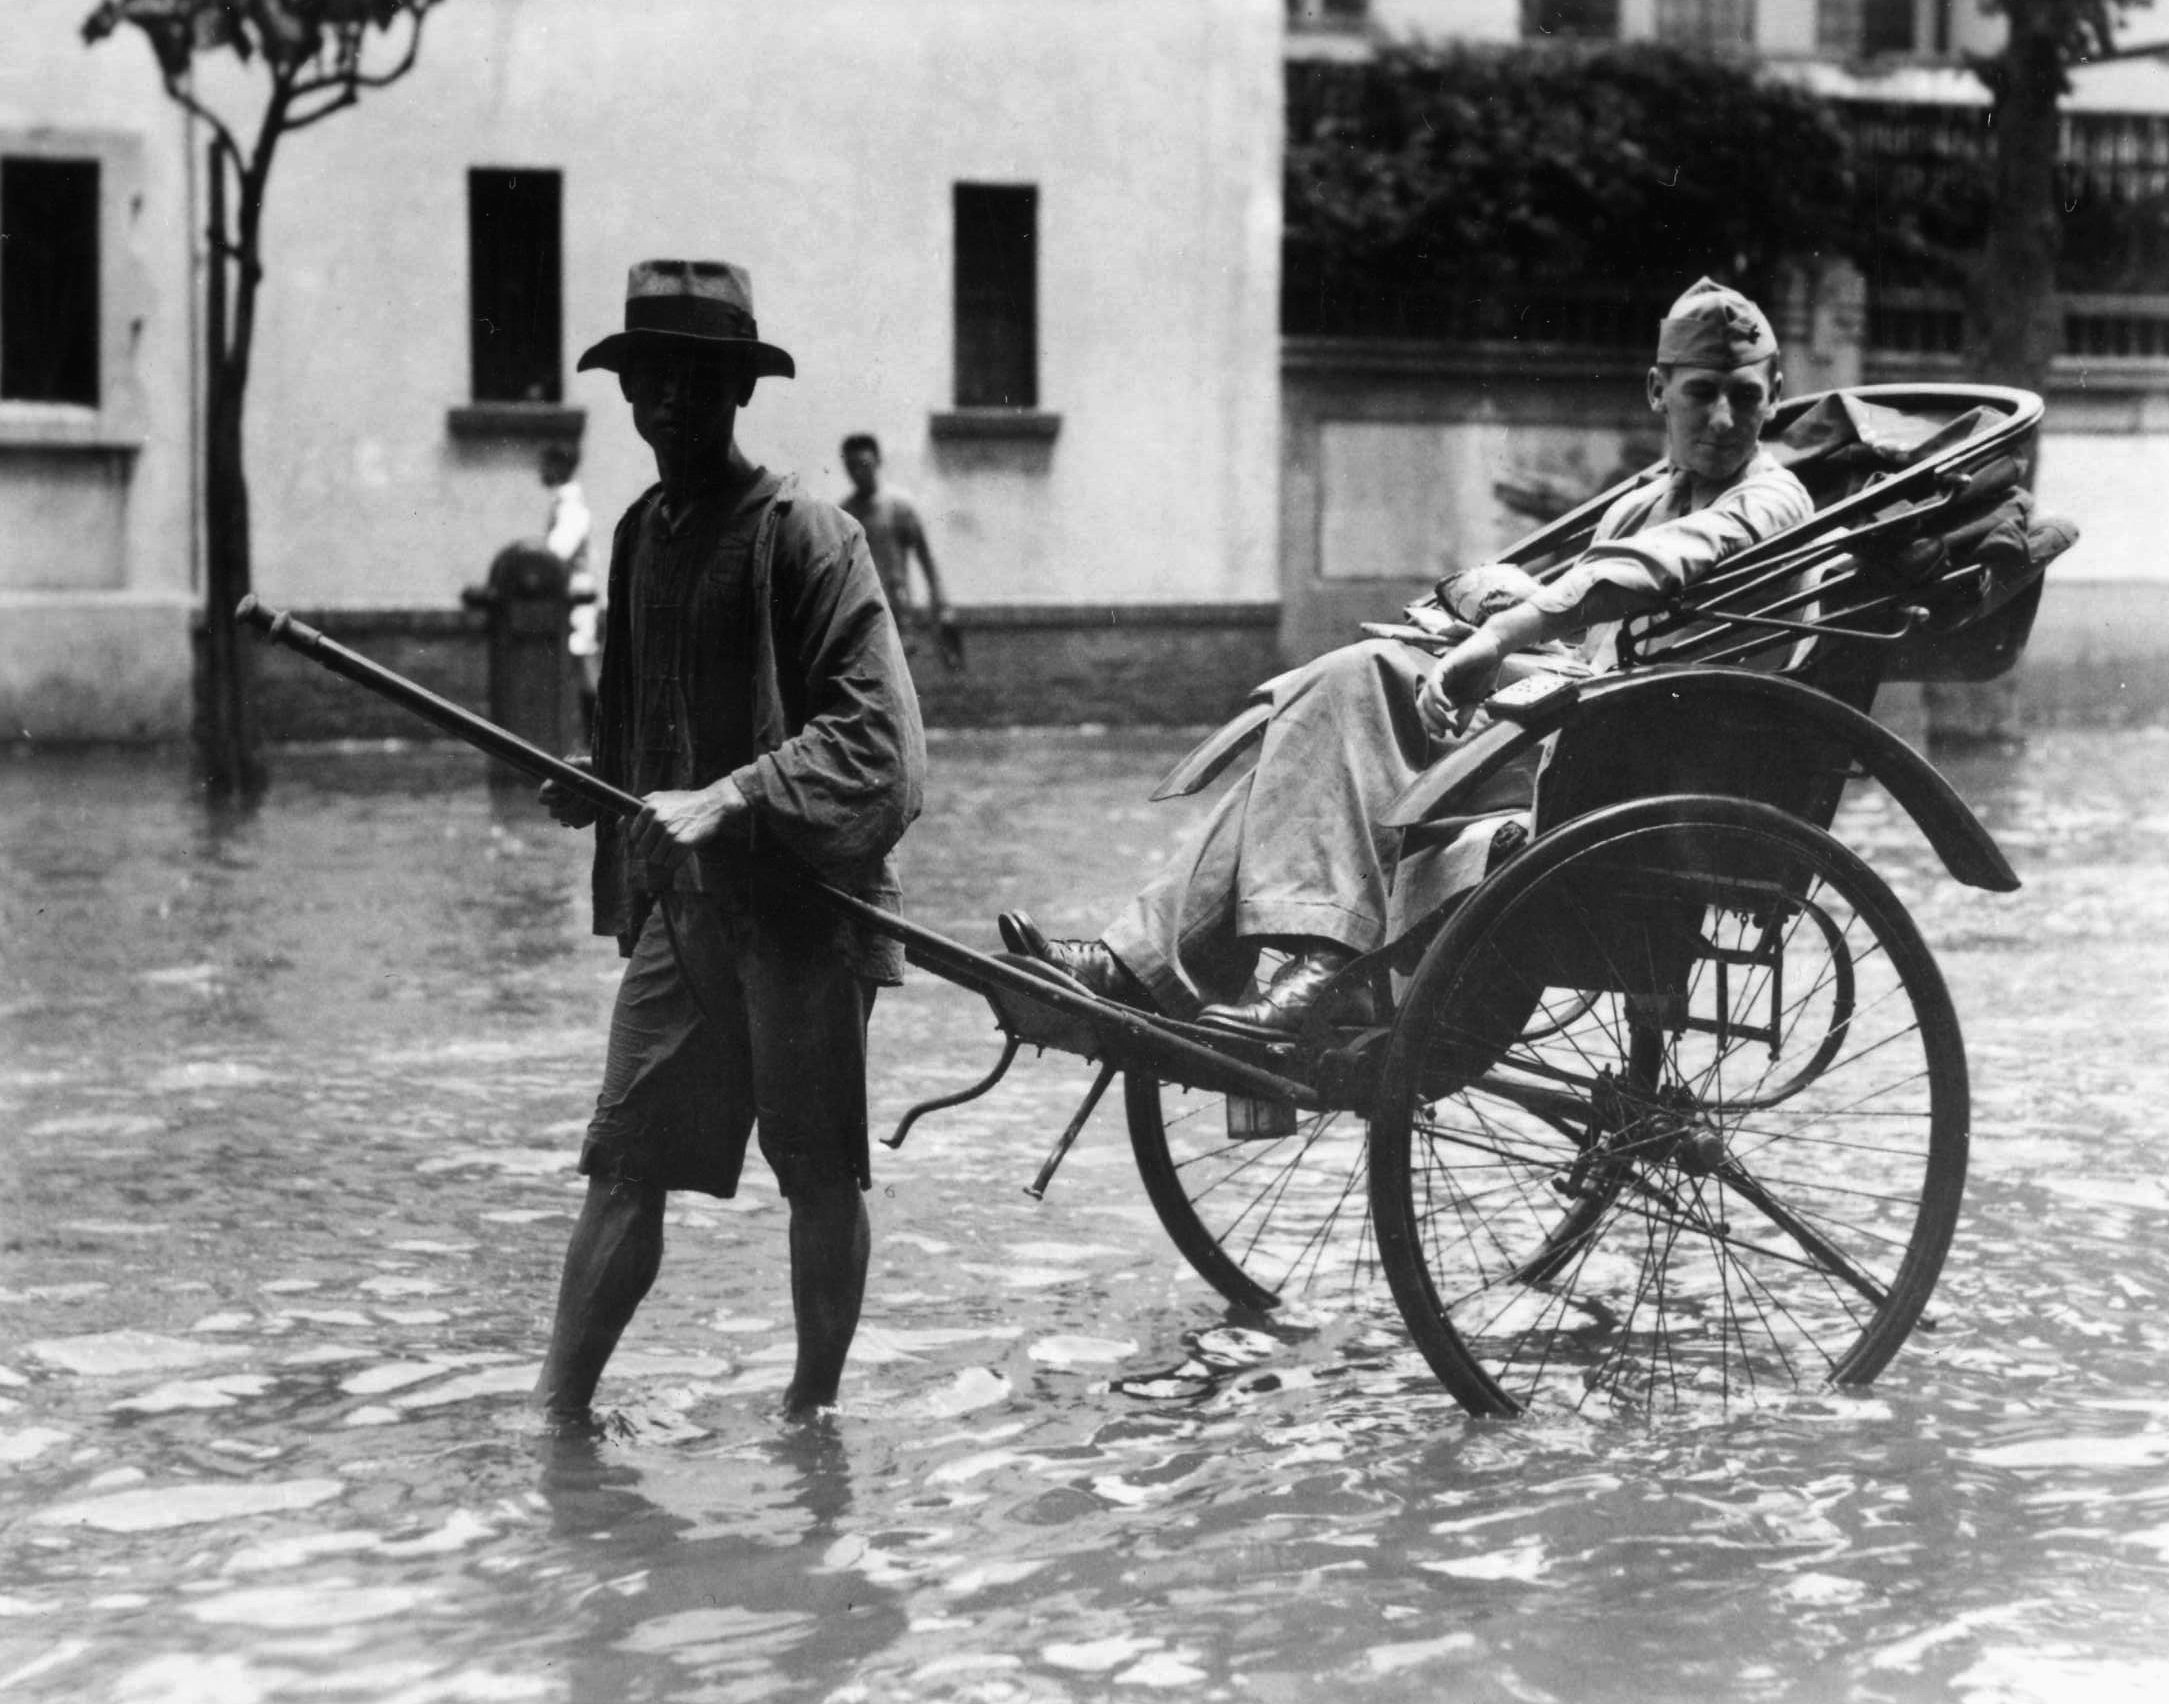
{"points": [[1033, 247], [1840, 30], [1393, 453]]}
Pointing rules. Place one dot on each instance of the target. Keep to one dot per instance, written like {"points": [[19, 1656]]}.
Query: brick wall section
{"points": [[1174, 665], [443, 650], [1177, 665]]}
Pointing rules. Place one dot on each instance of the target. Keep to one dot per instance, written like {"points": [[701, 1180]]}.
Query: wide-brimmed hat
{"points": [[691, 307]]}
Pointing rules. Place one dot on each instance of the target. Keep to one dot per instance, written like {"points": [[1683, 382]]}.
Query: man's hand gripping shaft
{"points": [[671, 824]]}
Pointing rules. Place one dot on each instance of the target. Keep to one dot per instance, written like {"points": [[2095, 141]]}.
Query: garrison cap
{"points": [[1713, 325]]}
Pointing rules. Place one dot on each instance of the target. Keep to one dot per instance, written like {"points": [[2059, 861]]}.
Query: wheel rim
{"points": [[1278, 1220], [1732, 1173]]}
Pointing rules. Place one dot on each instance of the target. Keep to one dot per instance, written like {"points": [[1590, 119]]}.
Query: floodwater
{"points": [[290, 1101]]}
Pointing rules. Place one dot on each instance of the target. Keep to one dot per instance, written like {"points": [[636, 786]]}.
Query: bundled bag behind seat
{"points": [[1988, 585]]}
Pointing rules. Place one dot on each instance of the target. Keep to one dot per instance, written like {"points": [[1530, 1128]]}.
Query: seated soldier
{"points": [[1294, 857]]}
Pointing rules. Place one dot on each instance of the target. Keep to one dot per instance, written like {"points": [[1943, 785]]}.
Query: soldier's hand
{"points": [[566, 806], [1463, 679]]}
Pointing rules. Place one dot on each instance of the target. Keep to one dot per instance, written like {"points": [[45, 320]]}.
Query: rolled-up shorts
{"points": [[730, 1021]]}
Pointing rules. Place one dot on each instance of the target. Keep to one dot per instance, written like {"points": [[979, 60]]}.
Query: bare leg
{"points": [[615, 1252], [830, 1244]]}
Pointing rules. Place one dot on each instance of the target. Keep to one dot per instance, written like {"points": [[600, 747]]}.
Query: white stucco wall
{"points": [[96, 511], [816, 142], [1441, 20]]}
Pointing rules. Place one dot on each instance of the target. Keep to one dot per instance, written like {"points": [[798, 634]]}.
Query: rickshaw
{"points": [[1658, 1098]]}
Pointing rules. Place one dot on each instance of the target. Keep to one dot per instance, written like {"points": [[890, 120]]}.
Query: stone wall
{"points": [[1179, 665]]}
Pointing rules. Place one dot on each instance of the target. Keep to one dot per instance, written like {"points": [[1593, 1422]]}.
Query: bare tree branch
{"points": [[178, 91], [313, 55], [299, 118], [350, 75]]}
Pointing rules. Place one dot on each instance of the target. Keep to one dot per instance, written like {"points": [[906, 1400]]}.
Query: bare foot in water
{"points": [[803, 1411]]}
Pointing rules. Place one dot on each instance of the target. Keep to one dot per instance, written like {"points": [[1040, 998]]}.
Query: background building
{"points": [[1034, 249], [1034, 245]]}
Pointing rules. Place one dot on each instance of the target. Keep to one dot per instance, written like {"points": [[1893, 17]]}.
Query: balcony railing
{"points": [[1473, 309], [2096, 327]]}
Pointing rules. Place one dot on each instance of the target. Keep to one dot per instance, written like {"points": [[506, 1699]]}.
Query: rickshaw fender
{"points": [[1967, 849]]}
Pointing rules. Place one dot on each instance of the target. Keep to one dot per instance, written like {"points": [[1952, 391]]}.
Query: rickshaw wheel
{"points": [[1266, 1201], [1735, 1172]]}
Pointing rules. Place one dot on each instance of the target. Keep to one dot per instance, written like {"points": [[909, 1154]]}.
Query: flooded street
{"points": [[288, 1108]]}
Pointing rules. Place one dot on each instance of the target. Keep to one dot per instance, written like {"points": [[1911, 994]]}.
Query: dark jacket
{"points": [[841, 764]]}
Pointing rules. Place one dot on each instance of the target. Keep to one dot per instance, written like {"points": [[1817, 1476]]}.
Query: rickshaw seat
{"points": [[1923, 559]]}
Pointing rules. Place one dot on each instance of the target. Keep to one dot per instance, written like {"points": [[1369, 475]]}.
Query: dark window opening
{"points": [[1340, 13], [1862, 27], [515, 301], [997, 296], [1592, 19], [49, 280], [1886, 26]]}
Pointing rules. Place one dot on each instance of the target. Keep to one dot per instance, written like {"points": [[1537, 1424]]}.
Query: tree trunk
{"points": [[2014, 319], [229, 751]]}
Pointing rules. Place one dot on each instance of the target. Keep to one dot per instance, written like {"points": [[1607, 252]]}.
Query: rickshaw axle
{"points": [[1627, 1128]]}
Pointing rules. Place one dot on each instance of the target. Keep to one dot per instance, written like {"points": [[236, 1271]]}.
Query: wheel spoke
{"points": [[1722, 1158], [1266, 1220]]}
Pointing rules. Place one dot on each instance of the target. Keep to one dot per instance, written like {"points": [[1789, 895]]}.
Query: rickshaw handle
{"points": [[949, 959], [454, 719]]}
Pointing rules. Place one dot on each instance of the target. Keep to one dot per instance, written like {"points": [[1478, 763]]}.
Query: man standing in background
{"points": [[565, 537], [895, 535]]}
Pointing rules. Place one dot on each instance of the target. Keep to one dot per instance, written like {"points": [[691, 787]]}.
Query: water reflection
{"points": [[730, 1592], [288, 1103]]}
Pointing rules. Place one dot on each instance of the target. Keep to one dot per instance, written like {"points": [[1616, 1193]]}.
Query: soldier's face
{"points": [[685, 407], [1713, 419]]}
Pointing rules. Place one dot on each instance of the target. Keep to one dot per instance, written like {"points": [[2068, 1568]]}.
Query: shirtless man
{"points": [[895, 534]]}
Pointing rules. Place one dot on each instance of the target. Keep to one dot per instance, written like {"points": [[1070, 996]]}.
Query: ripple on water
{"points": [[155, 1508], [2028, 1674], [2144, 1449], [968, 1389], [29, 1443], [1071, 1350], [178, 1394], [877, 1345], [113, 1126], [492, 1381], [113, 1354], [312, 1607]]}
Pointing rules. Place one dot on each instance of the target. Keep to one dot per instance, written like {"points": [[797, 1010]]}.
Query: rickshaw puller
{"points": [[754, 693]]}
